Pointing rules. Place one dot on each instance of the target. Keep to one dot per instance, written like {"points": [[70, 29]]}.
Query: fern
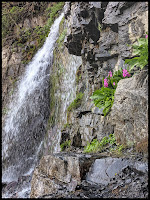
{"points": [[103, 98], [96, 146], [140, 51]]}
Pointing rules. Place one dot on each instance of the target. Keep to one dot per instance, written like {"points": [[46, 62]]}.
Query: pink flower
{"points": [[110, 74], [114, 83], [146, 36], [128, 75], [125, 73], [105, 83]]}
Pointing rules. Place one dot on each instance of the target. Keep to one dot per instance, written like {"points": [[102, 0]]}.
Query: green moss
{"points": [[100, 26], [67, 125], [55, 81], [61, 26], [78, 75], [5, 111], [13, 15], [61, 37], [65, 145], [78, 78], [53, 88], [76, 103], [57, 70]]}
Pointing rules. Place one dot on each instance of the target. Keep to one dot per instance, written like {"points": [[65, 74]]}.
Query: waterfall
{"points": [[26, 121]]}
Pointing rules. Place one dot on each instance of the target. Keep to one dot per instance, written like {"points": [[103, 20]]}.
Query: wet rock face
{"points": [[90, 21], [100, 32], [17, 189], [130, 109]]}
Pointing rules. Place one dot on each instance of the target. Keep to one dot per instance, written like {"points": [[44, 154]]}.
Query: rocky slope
{"points": [[99, 32], [104, 49], [24, 28]]}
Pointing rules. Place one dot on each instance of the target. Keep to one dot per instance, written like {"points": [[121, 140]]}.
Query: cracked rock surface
{"points": [[107, 178]]}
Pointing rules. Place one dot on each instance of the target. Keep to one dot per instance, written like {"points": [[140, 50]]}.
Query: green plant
{"points": [[61, 37], [96, 146], [67, 125], [100, 26], [104, 97], [118, 149], [76, 103], [5, 111], [140, 51], [92, 147], [65, 145]]}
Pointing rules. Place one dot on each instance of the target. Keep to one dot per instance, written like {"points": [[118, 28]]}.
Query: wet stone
{"points": [[128, 181], [104, 169]]}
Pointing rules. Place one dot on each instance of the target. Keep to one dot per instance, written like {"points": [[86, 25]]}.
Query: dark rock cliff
{"points": [[100, 33]]}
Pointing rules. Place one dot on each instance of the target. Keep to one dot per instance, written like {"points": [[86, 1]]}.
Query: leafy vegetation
{"points": [[96, 146], [104, 98], [65, 145], [52, 13], [76, 103], [140, 52], [67, 125], [107, 142], [14, 13]]}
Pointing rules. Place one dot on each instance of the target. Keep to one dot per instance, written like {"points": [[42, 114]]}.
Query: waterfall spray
{"points": [[26, 121]]}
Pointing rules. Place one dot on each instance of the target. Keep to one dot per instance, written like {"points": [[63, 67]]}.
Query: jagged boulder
{"points": [[129, 113], [81, 24], [58, 171]]}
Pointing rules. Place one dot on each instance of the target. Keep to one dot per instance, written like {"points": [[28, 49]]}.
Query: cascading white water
{"points": [[68, 94], [26, 121]]}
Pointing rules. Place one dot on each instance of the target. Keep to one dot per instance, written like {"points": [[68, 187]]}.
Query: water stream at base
{"points": [[26, 121]]}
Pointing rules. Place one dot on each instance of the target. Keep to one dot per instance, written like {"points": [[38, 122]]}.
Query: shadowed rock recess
{"points": [[95, 38]]}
